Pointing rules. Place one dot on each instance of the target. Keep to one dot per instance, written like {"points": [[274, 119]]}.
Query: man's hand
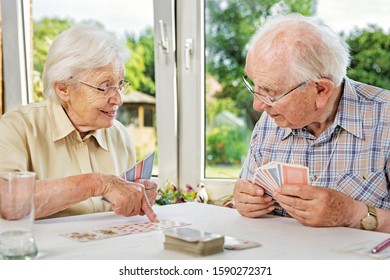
{"points": [[318, 206], [251, 200]]}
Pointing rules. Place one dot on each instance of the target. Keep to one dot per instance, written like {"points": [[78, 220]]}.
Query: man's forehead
{"points": [[266, 64]]}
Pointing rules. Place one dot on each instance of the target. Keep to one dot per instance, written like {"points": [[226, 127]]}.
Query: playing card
{"points": [[294, 174], [268, 177], [273, 183], [147, 167], [191, 235], [274, 171], [122, 229], [146, 226], [274, 174], [87, 236], [193, 241], [260, 181], [141, 170], [232, 243]]}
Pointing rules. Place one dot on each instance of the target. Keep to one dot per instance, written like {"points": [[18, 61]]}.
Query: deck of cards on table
{"points": [[193, 241], [274, 174]]}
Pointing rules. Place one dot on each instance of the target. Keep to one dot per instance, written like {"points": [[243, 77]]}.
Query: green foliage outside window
{"points": [[370, 51], [140, 67], [227, 145], [45, 31]]}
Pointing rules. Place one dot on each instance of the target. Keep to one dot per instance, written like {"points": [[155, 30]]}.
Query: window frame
{"points": [[166, 91], [16, 53], [191, 92]]}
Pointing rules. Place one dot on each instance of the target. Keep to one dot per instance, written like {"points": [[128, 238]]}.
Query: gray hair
{"points": [[316, 51], [78, 49]]}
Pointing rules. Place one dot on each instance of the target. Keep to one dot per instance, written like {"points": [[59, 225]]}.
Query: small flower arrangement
{"points": [[170, 194]]}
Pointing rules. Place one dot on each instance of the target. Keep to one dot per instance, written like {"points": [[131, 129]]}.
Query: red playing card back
{"points": [[294, 175]]}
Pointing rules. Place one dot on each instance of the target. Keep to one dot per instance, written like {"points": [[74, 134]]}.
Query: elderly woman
{"points": [[72, 141]]}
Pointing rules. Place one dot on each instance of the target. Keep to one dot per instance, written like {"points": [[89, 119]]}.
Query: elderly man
{"points": [[315, 116]]}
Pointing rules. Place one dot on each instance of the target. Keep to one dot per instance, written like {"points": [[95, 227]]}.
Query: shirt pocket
{"points": [[369, 187]]}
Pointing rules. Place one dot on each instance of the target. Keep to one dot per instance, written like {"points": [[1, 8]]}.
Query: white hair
{"points": [[78, 49], [314, 50]]}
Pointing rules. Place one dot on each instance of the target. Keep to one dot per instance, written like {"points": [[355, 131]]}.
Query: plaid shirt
{"points": [[357, 165]]}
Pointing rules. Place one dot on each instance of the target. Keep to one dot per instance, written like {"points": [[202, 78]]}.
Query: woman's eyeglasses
{"points": [[123, 87]]}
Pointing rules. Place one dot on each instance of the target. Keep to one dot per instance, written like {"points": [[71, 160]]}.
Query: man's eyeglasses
{"points": [[123, 87], [265, 98]]}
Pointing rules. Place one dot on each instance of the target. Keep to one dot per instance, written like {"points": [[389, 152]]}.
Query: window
{"points": [[149, 116], [128, 115]]}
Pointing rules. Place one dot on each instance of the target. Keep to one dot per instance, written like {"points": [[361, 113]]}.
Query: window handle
{"points": [[163, 43], [188, 53]]}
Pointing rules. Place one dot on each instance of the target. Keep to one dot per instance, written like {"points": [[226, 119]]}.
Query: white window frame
{"points": [[15, 21], [166, 90], [191, 93]]}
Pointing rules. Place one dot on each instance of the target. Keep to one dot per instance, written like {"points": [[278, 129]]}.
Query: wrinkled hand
{"points": [[317, 206], [251, 200], [127, 198], [150, 188]]}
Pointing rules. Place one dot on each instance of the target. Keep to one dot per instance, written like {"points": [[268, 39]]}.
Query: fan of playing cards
{"points": [[141, 170], [274, 174]]}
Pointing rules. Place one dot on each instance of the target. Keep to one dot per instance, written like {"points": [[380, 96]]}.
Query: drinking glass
{"points": [[17, 216]]}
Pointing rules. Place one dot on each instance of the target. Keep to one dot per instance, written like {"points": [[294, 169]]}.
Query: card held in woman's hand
{"points": [[141, 170]]}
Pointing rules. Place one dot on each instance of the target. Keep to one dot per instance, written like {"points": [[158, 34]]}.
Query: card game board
{"points": [[122, 229]]}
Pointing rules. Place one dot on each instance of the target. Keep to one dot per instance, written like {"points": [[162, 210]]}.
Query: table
{"points": [[281, 238]]}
